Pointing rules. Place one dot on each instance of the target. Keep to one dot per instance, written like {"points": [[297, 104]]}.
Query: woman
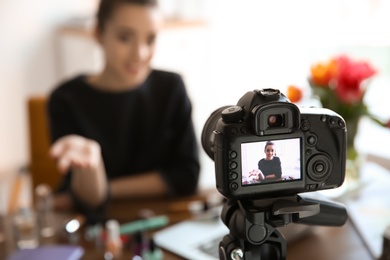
{"points": [[125, 132], [270, 166]]}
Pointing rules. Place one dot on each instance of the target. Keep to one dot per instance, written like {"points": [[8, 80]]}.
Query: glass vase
{"points": [[353, 164], [353, 160]]}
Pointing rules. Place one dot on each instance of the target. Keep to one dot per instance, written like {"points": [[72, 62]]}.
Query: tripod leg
{"points": [[229, 249]]}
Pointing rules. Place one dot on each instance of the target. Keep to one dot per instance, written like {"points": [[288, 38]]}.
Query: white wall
{"points": [[27, 65], [247, 44]]}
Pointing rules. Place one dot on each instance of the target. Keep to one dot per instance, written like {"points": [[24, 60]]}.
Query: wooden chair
{"points": [[42, 167]]}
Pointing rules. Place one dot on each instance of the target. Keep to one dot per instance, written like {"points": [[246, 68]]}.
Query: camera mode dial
{"points": [[268, 92], [232, 114]]}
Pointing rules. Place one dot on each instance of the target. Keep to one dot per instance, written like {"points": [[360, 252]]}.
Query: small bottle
{"points": [[386, 245], [113, 242], [25, 229], [44, 209], [153, 252]]}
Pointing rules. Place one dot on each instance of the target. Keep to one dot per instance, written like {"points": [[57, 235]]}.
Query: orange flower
{"points": [[294, 93], [322, 73]]}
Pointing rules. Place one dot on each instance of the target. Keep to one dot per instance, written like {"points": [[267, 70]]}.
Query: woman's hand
{"points": [[74, 151], [83, 157], [258, 174]]}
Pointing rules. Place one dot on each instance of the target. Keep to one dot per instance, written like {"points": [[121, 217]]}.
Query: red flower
{"points": [[349, 77]]}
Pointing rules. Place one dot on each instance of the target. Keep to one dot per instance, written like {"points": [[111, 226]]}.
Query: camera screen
{"points": [[271, 161]]}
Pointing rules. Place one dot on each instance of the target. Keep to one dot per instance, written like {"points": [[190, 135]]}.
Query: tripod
{"points": [[253, 224]]}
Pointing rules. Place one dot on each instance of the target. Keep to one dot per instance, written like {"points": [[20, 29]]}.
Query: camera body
{"points": [[308, 146]]}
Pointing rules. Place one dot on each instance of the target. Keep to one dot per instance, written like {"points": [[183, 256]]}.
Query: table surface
{"points": [[321, 243]]}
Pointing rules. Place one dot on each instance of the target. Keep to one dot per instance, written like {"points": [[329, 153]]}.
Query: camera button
{"points": [[311, 140], [233, 175], [319, 168], [232, 114], [233, 155], [233, 131], [311, 186], [233, 165], [305, 125], [234, 186]]}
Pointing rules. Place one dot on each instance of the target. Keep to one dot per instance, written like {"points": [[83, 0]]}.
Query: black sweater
{"points": [[271, 167], [139, 130]]}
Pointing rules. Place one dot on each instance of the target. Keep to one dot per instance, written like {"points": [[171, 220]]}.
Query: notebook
{"points": [[370, 210], [193, 239], [58, 252]]}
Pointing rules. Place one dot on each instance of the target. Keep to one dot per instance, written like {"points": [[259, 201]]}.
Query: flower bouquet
{"points": [[340, 84]]}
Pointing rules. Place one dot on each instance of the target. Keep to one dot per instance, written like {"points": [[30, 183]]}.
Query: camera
{"points": [[301, 149]]}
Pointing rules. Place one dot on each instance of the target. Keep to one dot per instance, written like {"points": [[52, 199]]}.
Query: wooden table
{"points": [[322, 243], [329, 243]]}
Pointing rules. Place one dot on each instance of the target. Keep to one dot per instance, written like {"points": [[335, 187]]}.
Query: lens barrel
{"points": [[210, 126]]}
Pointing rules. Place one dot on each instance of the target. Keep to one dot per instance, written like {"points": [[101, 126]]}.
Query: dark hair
{"points": [[268, 143], [106, 8]]}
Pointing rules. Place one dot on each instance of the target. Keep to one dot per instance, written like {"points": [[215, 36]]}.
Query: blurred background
{"points": [[223, 48]]}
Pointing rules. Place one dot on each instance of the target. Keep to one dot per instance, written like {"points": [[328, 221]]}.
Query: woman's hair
{"points": [[106, 8]]}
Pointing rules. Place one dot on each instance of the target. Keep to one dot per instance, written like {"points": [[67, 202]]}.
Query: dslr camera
{"points": [[310, 144]]}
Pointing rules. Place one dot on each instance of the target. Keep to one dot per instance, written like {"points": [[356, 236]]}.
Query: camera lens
{"points": [[276, 120], [208, 129]]}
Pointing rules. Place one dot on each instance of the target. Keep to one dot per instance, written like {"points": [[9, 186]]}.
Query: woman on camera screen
{"points": [[270, 166], [125, 132]]}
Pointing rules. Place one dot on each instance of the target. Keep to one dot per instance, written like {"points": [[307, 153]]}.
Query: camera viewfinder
{"points": [[276, 120]]}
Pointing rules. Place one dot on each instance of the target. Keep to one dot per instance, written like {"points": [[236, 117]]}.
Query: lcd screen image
{"points": [[271, 161]]}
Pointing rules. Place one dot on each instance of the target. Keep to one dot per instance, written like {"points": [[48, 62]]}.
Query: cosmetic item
{"points": [[25, 229], [138, 245], [44, 209], [72, 226], [144, 248], [113, 241], [144, 224], [95, 233], [153, 252]]}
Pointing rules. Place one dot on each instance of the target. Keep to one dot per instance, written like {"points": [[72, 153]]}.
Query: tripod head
{"points": [[253, 224]]}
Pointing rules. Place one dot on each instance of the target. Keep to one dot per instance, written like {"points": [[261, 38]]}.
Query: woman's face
{"points": [[269, 152], [128, 41]]}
